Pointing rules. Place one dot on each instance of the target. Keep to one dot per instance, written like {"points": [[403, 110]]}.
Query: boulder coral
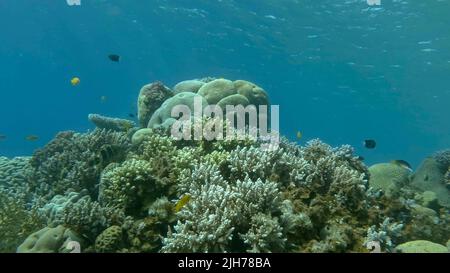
{"points": [[430, 176], [50, 240], [421, 246], [188, 86], [110, 240], [163, 115], [151, 97], [388, 177]]}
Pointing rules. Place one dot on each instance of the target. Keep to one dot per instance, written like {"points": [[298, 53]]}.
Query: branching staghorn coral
{"points": [[206, 224], [265, 234]]}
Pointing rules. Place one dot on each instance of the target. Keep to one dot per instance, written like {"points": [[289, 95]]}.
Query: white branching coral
{"points": [[265, 234], [206, 225], [218, 207], [385, 235]]}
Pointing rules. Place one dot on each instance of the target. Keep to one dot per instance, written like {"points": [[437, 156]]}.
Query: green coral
{"points": [[50, 240], [421, 246], [388, 177], [110, 240], [128, 186], [17, 220]]}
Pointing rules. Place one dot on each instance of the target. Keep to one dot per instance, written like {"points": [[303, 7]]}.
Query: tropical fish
{"points": [[182, 202], [131, 115], [75, 81], [370, 143], [107, 154], [402, 163], [32, 138], [103, 99], [2, 137], [299, 135], [114, 58]]}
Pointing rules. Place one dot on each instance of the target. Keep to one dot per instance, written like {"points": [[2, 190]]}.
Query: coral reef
{"points": [[388, 177], [385, 234], [421, 246], [443, 159], [73, 161], [113, 124], [225, 92], [150, 98], [110, 240], [13, 172], [430, 176], [150, 192], [188, 86], [162, 117], [128, 186], [50, 240], [17, 220]]}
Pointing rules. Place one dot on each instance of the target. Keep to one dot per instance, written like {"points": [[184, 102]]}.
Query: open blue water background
{"points": [[340, 70]]}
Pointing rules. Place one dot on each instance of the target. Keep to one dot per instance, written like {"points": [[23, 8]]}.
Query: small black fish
{"points": [[361, 158], [2, 137], [370, 143], [114, 58], [402, 163], [131, 115]]}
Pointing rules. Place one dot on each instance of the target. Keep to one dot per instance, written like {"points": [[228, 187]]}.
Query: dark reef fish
{"points": [[114, 57], [402, 163], [2, 137], [370, 143]]}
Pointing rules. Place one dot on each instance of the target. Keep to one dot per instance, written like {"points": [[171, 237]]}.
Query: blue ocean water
{"points": [[341, 71]]}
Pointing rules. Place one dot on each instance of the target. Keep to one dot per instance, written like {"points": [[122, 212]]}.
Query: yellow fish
{"points": [[182, 202], [75, 81], [299, 135], [32, 138]]}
